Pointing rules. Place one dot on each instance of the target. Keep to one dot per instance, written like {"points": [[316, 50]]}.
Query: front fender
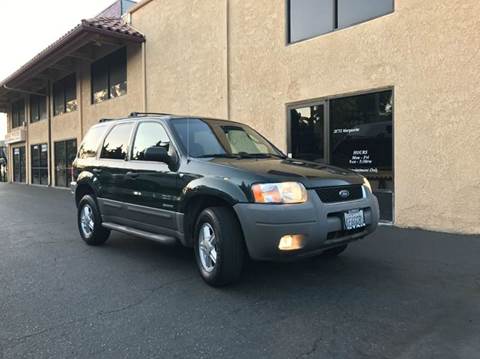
{"points": [[87, 178], [217, 187]]}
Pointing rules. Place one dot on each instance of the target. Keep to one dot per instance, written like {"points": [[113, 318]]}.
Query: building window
{"points": [[19, 165], [18, 113], [310, 18], [356, 133], [65, 95], [39, 158], [116, 143], [38, 108], [65, 153], [109, 76]]}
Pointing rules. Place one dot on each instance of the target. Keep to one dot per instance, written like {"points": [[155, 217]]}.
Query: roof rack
{"points": [[139, 114]]}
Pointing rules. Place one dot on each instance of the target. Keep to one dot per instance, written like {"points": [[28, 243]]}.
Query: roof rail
{"points": [[106, 120], [139, 114]]}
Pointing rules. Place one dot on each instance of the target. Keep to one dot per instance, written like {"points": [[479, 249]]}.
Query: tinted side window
{"points": [[116, 142], [91, 142], [149, 134]]}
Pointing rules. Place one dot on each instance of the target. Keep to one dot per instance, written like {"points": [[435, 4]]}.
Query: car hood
{"points": [[311, 174]]}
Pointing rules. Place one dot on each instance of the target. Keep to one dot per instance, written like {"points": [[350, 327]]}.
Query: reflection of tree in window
{"points": [[115, 145], [307, 133], [149, 134]]}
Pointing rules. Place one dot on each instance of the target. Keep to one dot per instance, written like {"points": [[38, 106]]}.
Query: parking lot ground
{"points": [[397, 294]]}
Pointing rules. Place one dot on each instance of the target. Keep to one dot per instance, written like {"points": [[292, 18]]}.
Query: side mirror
{"points": [[157, 154]]}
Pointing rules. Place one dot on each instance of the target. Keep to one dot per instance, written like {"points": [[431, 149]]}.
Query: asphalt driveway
{"points": [[398, 294]]}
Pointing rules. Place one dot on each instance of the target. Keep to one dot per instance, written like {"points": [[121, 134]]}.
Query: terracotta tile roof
{"points": [[114, 27], [112, 24]]}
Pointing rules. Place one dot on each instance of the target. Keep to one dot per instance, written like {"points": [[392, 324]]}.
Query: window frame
{"points": [[16, 120], [335, 22], [108, 61], [67, 168], [63, 82], [35, 101], [38, 168]]}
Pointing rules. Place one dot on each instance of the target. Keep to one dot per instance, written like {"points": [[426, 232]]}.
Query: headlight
{"points": [[286, 192], [367, 184]]}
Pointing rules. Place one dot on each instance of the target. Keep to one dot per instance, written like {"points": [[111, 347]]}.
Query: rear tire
{"points": [[89, 222], [219, 246], [335, 251]]}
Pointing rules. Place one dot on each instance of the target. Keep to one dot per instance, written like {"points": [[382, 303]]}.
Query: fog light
{"points": [[291, 242]]}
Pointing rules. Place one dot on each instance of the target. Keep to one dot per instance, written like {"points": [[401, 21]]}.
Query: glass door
{"points": [[307, 133], [19, 173], [65, 152]]}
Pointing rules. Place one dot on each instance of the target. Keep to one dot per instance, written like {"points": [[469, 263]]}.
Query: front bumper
{"points": [[320, 223], [73, 187]]}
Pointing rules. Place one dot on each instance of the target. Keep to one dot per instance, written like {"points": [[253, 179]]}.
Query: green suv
{"points": [[217, 186]]}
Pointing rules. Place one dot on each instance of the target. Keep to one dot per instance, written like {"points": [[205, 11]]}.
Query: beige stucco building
{"points": [[389, 89]]}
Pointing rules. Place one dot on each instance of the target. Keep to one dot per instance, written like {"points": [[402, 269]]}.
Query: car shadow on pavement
{"points": [[344, 270]]}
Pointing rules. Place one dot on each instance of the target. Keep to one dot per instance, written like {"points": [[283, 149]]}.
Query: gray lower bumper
{"points": [[320, 223]]}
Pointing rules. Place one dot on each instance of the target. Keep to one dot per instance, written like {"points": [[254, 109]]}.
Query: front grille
{"points": [[334, 194]]}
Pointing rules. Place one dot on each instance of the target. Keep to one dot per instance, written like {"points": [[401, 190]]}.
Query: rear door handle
{"points": [[97, 170], [132, 175]]}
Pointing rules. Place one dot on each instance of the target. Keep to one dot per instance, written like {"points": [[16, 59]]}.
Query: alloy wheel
{"points": [[207, 245]]}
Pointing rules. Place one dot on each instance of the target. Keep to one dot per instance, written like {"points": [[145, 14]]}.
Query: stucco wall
{"points": [[427, 51], [185, 56], [115, 107]]}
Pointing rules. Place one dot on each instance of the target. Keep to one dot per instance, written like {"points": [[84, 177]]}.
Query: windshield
{"points": [[211, 138]]}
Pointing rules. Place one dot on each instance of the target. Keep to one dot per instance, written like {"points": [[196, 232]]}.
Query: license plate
{"points": [[354, 219]]}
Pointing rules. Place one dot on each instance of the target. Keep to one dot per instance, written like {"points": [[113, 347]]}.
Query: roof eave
{"points": [[64, 46]]}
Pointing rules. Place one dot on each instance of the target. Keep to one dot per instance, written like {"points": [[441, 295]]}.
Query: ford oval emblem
{"points": [[344, 193]]}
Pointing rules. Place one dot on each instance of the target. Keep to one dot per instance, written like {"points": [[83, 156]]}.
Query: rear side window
{"points": [[115, 145], [91, 142], [149, 134]]}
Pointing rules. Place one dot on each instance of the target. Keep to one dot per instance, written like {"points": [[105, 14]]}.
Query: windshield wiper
{"points": [[259, 155], [219, 155]]}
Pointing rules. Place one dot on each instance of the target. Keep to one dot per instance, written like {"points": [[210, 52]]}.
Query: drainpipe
{"points": [[144, 75], [227, 55], [49, 126]]}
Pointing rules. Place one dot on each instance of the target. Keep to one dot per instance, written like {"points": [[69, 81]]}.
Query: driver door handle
{"points": [[132, 175]]}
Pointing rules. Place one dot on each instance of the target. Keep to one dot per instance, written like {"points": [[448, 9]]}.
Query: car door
{"points": [[152, 188], [111, 169]]}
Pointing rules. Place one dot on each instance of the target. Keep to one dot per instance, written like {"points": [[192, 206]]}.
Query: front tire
{"points": [[219, 246], [89, 222]]}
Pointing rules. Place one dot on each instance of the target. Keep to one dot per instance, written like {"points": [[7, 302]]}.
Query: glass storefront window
{"points": [[357, 134], [39, 161], [19, 165], [308, 132], [65, 153]]}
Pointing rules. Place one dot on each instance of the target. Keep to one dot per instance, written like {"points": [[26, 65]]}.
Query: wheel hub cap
{"points": [[207, 244], [86, 220]]}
